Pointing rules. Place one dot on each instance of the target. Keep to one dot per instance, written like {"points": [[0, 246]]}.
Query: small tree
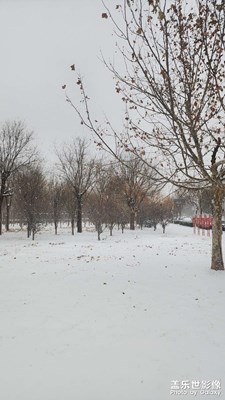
{"points": [[114, 197], [166, 212], [204, 201], [78, 171], [143, 212], [154, 211], [96, 212], [15, 153], [97, 200], [31, 197], [57, 201], [137, 183], [70, 205]]}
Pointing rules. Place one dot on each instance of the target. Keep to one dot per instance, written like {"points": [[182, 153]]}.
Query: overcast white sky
{"points": [[40, 39]]}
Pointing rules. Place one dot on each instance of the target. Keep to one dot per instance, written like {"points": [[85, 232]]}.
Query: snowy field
{"points": [[118, 319]]}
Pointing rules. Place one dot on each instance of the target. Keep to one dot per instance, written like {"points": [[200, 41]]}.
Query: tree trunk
{"points": [[99, 233], [72, 225], [132, 218], [7, 217], [217, 256], [98, 227], [28, 230], [1, 202], [79, 214], [3, 186], [33, 234], [110, 229], [55, 219]]}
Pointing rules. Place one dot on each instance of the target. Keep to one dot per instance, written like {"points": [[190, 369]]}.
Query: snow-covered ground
{"points": [[119, 319]]}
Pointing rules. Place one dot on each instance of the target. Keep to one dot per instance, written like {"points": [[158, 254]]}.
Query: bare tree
{"points": [[114, 203], [57, 201], [181, 198], [8, 204], [203, 201], [31, 194], [78, 171], [154, 211], [98, 200], [179, 93], [137, 183], [96, 211], [172, 85], [70, 205], [143, 212], [123, 215], [166, 212], [16, 152]]}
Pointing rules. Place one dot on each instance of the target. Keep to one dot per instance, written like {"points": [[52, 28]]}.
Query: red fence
{"points": [[203, 222]]}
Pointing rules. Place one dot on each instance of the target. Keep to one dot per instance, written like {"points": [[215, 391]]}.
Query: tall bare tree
{"points": [[176, 73], [78, 171], [16, 152], [173, 86]]}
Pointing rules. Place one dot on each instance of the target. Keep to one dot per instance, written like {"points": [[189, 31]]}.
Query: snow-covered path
{"points": [[112, 320]]}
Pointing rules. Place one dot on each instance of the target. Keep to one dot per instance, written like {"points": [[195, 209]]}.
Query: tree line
{"points": [[82, 188]]}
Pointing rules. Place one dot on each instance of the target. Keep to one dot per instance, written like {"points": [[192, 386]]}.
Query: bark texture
{"points": [[79, 214], [217, 255]]}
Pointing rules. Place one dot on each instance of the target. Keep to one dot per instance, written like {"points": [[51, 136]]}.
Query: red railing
{"points": [[203, 222]]}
